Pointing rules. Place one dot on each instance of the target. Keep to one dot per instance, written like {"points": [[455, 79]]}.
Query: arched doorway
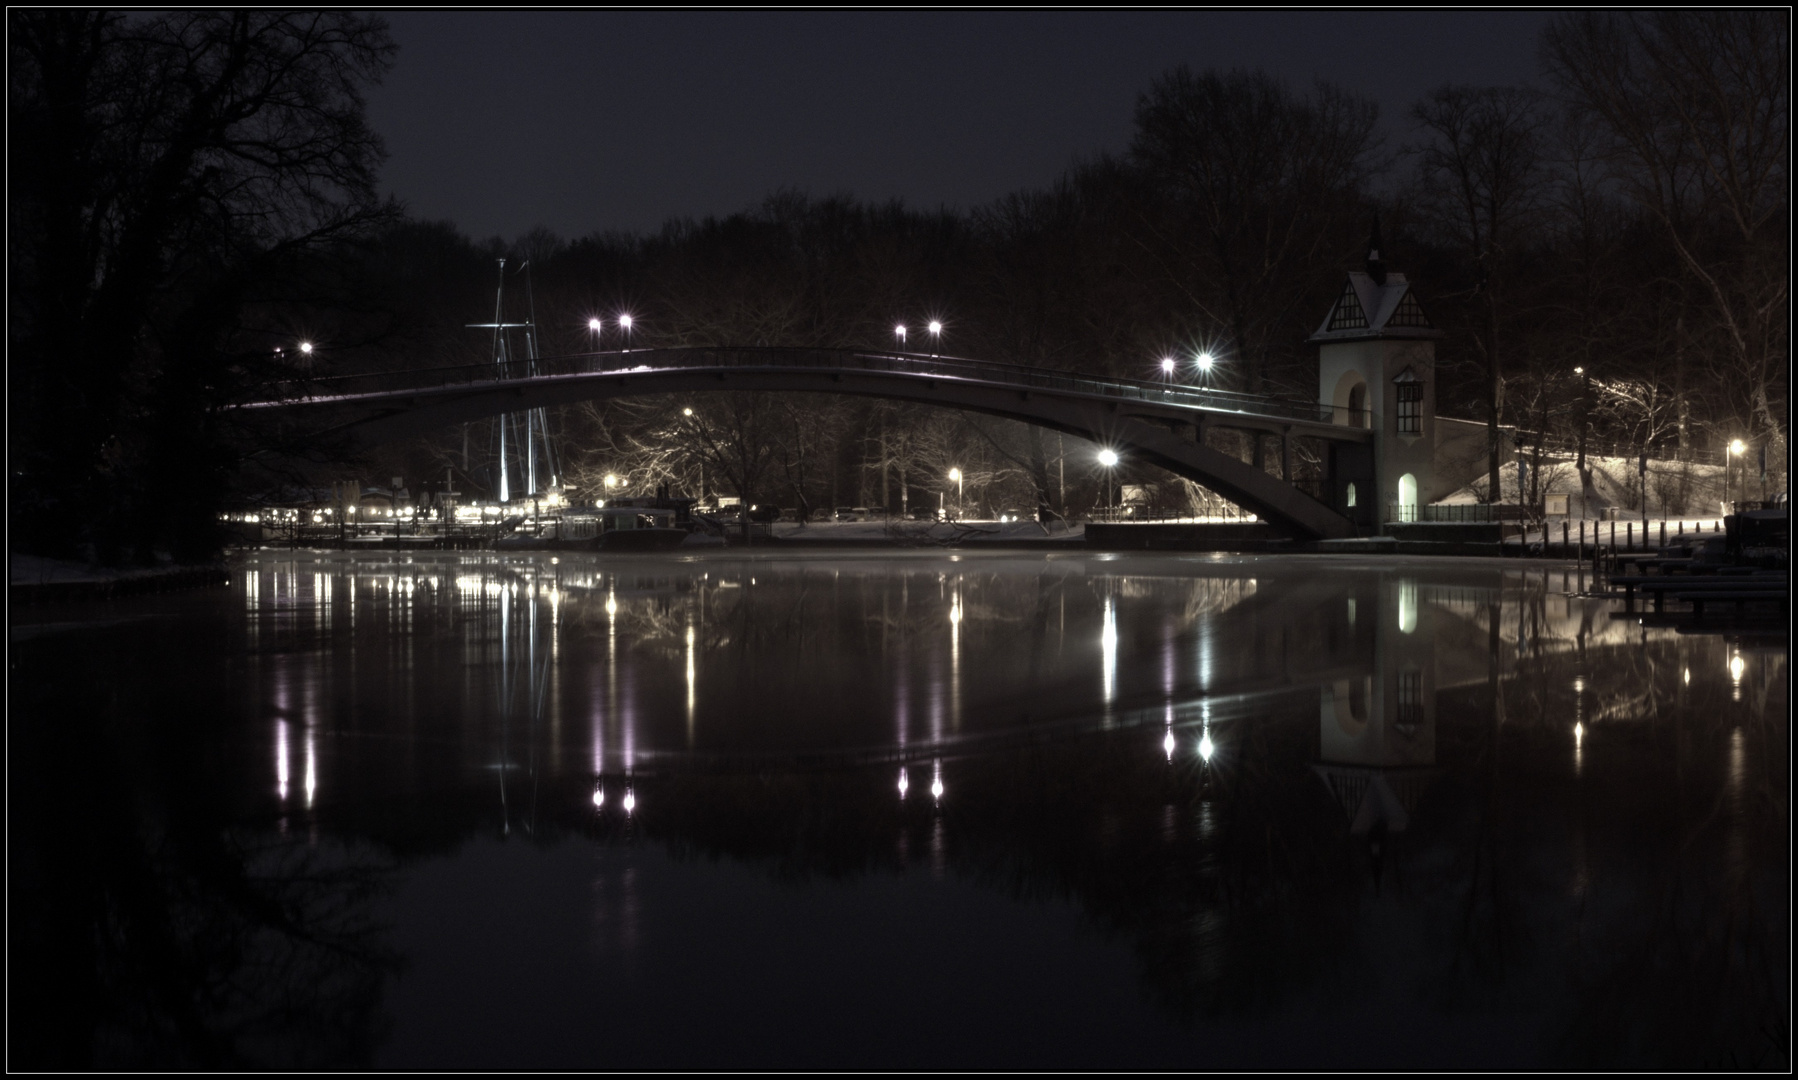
{"points": [[1351, 397], [1407, 497]]}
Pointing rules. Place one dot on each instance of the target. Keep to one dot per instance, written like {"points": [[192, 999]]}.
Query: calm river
{"points": [[893, 810]]}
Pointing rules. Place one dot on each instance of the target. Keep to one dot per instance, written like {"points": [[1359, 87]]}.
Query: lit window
{"points": [[1410, 408]]}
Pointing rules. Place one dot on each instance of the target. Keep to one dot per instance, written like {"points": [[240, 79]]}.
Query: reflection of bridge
{"points": [[1159, 423]]}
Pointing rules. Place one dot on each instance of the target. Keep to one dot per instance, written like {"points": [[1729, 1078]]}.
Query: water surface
{"points": [[894, 810]]}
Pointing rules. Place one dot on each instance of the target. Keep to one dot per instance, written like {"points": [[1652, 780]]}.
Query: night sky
{"points": [[590, 121]]}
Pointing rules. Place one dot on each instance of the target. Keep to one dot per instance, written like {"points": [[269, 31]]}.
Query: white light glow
{"points": [[1108, 458], [1167, 744], [1167, 364], [594, 325], [1206, 746], [936, 327], [1205, 361], [904, 783], [599, 797], [1736, 667], [1736, 446], [625, 322], [306, 347]]}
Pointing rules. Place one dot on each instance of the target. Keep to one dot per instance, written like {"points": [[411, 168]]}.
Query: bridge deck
{"points": [[1163, 401]]}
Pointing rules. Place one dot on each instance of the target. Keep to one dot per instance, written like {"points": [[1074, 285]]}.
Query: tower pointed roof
{"points": [[1375, 303]]}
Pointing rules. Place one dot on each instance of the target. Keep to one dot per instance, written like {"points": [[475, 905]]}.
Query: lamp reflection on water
{"points": [[281, 759], [936, 780], [904, 784], [1108, 647]]}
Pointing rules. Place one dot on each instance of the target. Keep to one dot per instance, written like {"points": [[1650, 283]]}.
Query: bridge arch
{"points": [[1149, 422]]}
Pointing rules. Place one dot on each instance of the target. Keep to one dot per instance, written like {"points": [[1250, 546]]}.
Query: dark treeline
{"points": [[1609, 260]]}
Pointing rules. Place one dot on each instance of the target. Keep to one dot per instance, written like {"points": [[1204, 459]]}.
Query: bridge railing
{"points": [[775, 358]]}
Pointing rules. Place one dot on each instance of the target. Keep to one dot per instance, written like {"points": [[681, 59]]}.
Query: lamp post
{"points": [[955, 475], [1167, 368], [936, 336], [899, 332], [624, 323], [1109, 459], [596, 327], [1203, 362], [1736, 446]]}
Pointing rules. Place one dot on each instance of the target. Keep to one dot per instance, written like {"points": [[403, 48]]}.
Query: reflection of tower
{"points": [[1377, 731]]}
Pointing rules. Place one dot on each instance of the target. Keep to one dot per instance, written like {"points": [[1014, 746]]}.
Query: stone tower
{"points": [[1376, 365]]}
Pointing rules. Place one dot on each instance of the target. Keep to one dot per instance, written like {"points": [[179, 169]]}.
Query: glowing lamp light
{"points": [[599, 797], [1579, 371], [1736, 667], [594, 325], [936, 327], [306, 347], [1736, 446], [630, 801], [1167, 744], [625, 322], [1167, 364], [904, 783], [1206, 746], [1108, 458], [1205, 361], [611, 480], [936, 788], [955, 474], [687, 411]]}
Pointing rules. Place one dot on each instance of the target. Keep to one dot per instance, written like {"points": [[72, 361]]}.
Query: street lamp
{"points": [[899, 332], [936, 334], [1167, 366], [1109, 459], [1204, 361], [624, 323], [306, 347], [596, 327], [955, 475]]}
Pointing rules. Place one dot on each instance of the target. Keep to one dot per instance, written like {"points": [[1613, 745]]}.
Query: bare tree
{"points": [[1481, 176], [1695, 106], [166, 169], [1259, 187]]}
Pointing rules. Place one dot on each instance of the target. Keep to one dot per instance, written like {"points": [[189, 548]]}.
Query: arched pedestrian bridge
{"points": [[1160, 423]]}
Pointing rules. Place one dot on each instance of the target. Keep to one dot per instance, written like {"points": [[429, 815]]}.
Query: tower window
{"points": [[1409, 313], [1348, 314], [1410, 698], [1410, 408]]}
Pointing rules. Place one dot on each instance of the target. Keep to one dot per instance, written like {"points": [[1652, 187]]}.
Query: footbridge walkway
{"points": [[1157, 422]]}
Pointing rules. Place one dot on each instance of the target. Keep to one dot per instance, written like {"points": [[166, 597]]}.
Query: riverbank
{"points": [[32, 579]]}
